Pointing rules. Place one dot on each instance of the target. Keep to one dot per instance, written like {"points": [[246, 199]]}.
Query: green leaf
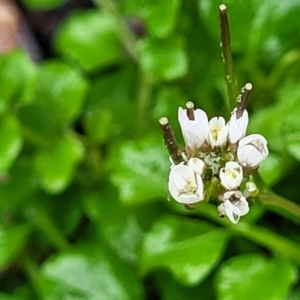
{"points": [[95, 48], [121, 226], [160, 16], [250, 276], [93, 276], [55, 164], [12, 241], [11, 142], [169, 289], [43, 4], [17, 82], [17, 185], [140, 170], [188, 248], [110, 100], [163, 59], [60, 92]]}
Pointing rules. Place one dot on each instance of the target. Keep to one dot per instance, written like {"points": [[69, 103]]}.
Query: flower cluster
{"points": [[217, 161]]}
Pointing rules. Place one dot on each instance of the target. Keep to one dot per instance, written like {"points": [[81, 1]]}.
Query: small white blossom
{"points": [[252, 150], [197, 165], [184, 185], [231, 176], [217, 132], [237, 127], [233, 207], [194, 131]]}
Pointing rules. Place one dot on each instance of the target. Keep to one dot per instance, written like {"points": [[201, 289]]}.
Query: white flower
{"points": [[252, 150], [197, 165], [194, 131], [217, 132], [237, 127], [231, 176], [184, 185], [234, 207]]}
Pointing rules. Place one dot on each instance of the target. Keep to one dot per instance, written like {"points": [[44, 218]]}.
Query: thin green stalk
{"points": [[276, 203], [143, 101], [32, 273], [125, 35], [230, 77], [256, 234], [45, 224]]}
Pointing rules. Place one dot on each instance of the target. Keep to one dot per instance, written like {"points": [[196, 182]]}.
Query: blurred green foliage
{"points": [[84, 210]]}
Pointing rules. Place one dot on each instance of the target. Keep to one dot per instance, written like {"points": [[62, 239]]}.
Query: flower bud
{"points": [[237, 127], [197, 165], [194, 131], [252, 150], [231, 176], [184, 185], [217, 132], [233, 207]]}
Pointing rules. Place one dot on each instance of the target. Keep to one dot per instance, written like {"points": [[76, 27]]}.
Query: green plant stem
{"points": [[276, 203], [256, 234], [143, 101], [45, 224], [33, 275], [230, 77], [125, 35]]}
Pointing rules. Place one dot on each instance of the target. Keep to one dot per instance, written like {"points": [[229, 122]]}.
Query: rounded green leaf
{"points": [[164, 59], [17, 185], [160, 16], [90, 37], [60, 92], [11, 142], [55, 164], [93, 277], [17, 82], [140, 170], [188, 248], [253, 276]]}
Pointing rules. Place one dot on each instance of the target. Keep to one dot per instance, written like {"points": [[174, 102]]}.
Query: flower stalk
{"points": [[230, 77]]}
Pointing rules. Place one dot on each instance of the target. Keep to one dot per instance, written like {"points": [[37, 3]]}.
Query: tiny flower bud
{"points": [[233, 209], [217, 132], [252, 150], [250, 190], [184, 185], [194, 130], [237, 126], [197, 165], [231, 176]]}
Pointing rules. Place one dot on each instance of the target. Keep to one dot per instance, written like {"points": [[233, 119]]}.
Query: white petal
{"points": [[194, 131], [231, 176], [242, 205], [223, 135], [184, 185], [197, 165], [231, 212], [238, 127]]}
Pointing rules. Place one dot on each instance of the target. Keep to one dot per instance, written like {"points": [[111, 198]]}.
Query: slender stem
{"points": [[170, 141], [256, 234], [230, 78], [44, 223], [244, 99], [125, 35], [32, 272], [276, 203], [280, 205], [143, 101]]}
